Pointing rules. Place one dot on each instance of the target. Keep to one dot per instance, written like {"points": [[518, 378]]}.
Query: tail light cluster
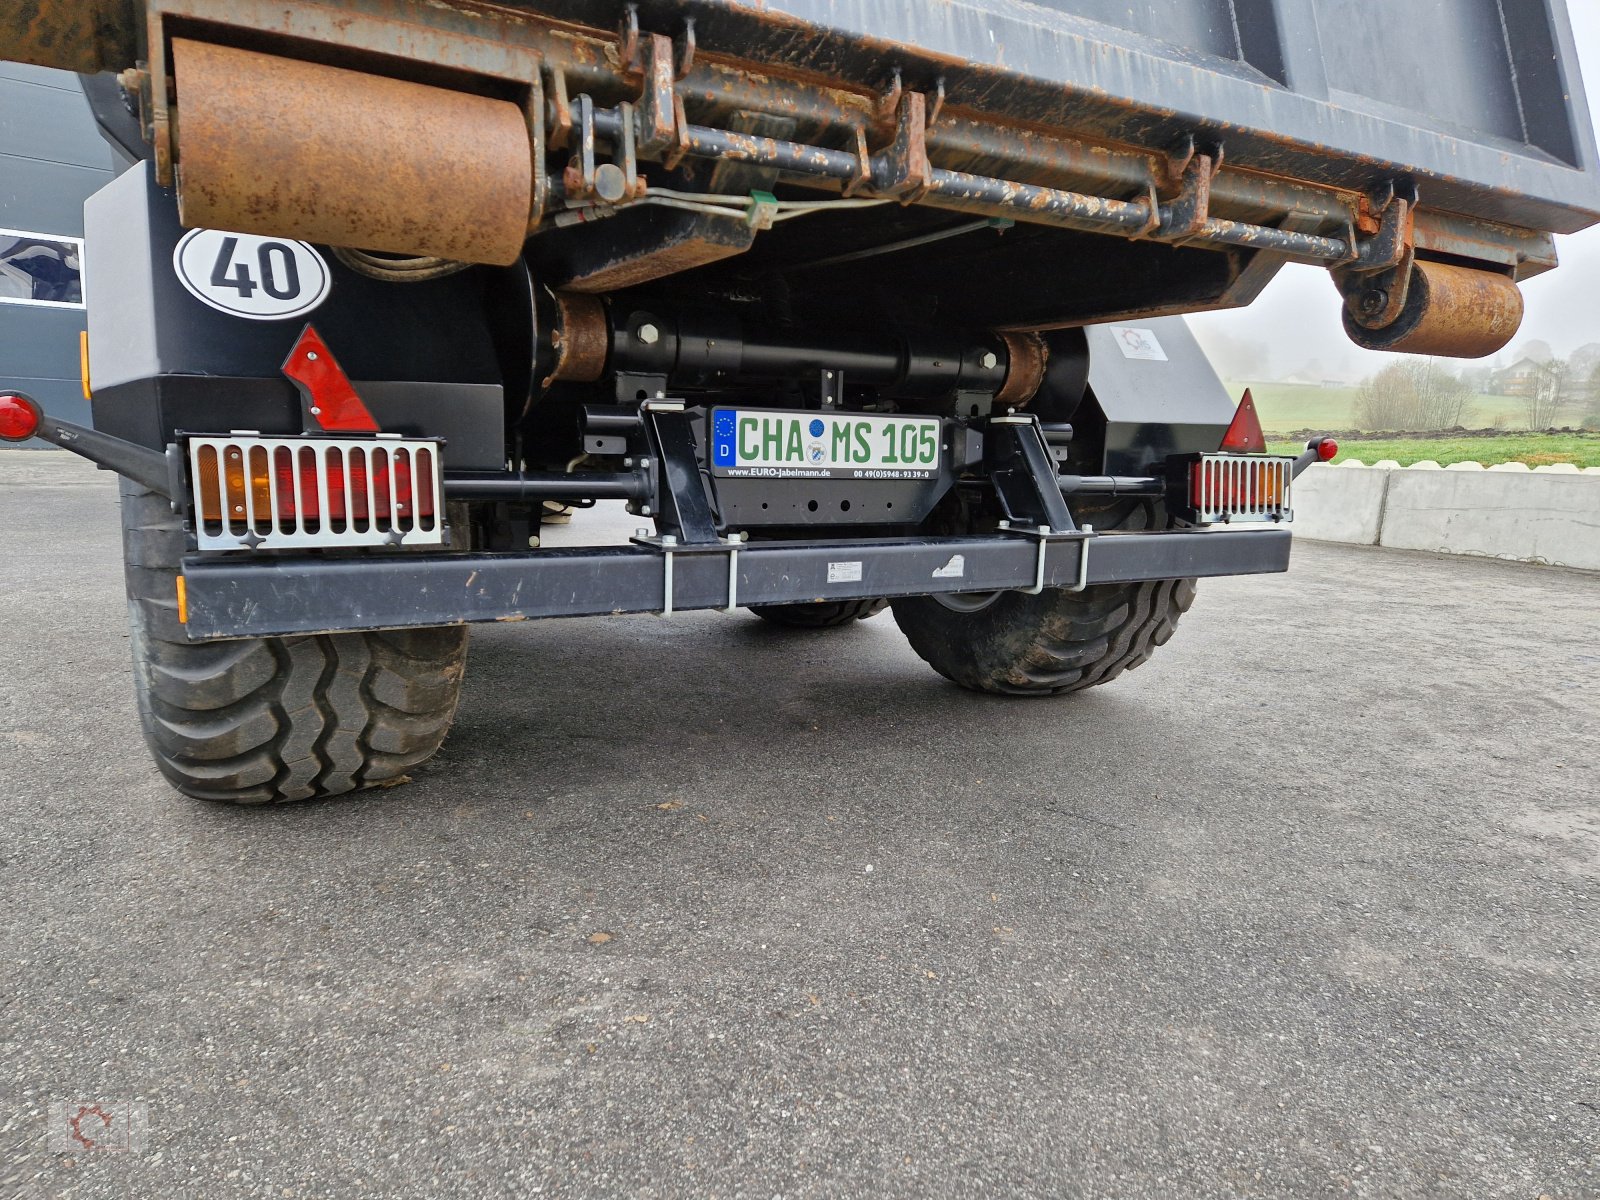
{"points": [[1239, 487], [252, 492]]}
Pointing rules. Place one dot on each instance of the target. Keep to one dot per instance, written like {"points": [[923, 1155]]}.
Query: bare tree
{"points": [[1441, 396], [1591, 394], [1552, 391], [1414, 394]]}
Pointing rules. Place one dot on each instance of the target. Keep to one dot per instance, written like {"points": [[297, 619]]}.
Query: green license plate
{"points": [[760, 443]]}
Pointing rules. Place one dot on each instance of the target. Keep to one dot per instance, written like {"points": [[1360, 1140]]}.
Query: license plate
{"points": [[818, 445]]}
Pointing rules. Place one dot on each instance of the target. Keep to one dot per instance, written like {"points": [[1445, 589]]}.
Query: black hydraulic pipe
{"points": [[702, 347], [548, 486], [1111, 485], [597, 419]]}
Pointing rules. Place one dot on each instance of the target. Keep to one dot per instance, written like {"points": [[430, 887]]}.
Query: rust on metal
{"points": [[71, 35], [657, 110], [676, 250], [907, 174], [272, 145], [1026, 358], [582, 337], [1451, 311]]}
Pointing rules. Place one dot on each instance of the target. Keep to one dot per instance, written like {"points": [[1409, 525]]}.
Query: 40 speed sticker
{"points": [[258, 278]]}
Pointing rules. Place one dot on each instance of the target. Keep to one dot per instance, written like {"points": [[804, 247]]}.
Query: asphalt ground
{"points": [[1305, 907]]}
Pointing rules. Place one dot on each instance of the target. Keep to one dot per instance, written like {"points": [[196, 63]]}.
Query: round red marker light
{"points": [[1327, 448], [19, 417]]}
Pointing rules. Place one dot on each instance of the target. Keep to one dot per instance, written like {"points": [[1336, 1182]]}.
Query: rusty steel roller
{"points": [[272, 145], [1454, 312]]}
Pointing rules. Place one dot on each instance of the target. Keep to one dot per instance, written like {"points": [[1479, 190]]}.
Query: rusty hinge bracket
{"points": [[1188, 188], [1377, 282], [587, 179], [1394, 205], [657, 99], [560, 111], [903, 170]]}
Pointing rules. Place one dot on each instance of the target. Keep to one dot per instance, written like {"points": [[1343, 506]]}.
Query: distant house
{"points": [[1519, 379], [1313, 379]]}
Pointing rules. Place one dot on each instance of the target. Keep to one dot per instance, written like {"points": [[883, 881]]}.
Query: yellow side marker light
{"points": [[83, 362], [183, 602]]}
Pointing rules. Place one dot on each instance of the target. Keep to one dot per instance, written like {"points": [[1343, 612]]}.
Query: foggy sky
{"points": [[1297, 316]]}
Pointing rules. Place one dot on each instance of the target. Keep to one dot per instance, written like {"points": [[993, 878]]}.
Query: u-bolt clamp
{"points": [[1044, 535], [735, 543]]}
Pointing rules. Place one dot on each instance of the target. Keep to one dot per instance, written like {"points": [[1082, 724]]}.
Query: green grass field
{"points": [[1289, 406], [1535, 449]]}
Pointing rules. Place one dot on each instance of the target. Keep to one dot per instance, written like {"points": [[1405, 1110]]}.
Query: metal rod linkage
{"points": [[961, 190]]}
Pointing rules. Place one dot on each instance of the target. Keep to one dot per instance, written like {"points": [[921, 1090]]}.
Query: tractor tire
{"points": [[269, 720], [1057, 641], [827, 615]]}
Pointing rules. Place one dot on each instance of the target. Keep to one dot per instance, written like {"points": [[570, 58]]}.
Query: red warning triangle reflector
{"points": [[1244, 435]]}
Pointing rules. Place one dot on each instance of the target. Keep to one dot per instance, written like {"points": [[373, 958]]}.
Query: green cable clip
{"points": [[763, 210]]}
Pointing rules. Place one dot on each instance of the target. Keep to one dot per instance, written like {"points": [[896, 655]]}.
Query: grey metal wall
{"points": [[51, 159]]}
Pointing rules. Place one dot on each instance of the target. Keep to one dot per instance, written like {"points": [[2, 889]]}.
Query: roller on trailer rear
{"points": [[854, 305]]}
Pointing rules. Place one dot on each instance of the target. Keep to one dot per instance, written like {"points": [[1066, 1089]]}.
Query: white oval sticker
{"points": [[258, 278]]}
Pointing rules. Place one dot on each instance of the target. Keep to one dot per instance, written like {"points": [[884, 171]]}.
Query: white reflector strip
{"points": [[264, 493]]}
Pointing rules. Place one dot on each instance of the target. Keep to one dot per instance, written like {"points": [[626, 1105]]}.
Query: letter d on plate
{"points": [[244, 275]]}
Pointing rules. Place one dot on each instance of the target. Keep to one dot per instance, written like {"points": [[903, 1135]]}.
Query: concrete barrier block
{"points": [[1464, 466], [1517, 514], [1333, 504], [1558, 469]]}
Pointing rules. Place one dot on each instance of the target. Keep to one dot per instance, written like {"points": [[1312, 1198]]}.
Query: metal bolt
{"points": [[989, 361], [1002, 523], [533, 542], [648, 334], [315, 411], [1373, 301], [644, 464], [641, 533], [610, 183], [627, 462], [668, 539], [312, 355], [644, 510]]}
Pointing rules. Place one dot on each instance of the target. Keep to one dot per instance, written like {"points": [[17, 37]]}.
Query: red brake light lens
{"points": [[19, 417], [1327, 450], [1244, 434]]}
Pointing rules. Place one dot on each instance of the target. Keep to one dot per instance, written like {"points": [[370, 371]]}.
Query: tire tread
{"points": [[272, 720]]}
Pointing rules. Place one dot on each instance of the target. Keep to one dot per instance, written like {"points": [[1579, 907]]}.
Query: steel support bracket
{"points": [[658, 109], [1185, 216], [903, 170], [682, 508], [1025, 475]]}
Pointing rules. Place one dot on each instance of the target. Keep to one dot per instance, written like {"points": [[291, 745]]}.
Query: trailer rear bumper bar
{"points": [[235, 597]]}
